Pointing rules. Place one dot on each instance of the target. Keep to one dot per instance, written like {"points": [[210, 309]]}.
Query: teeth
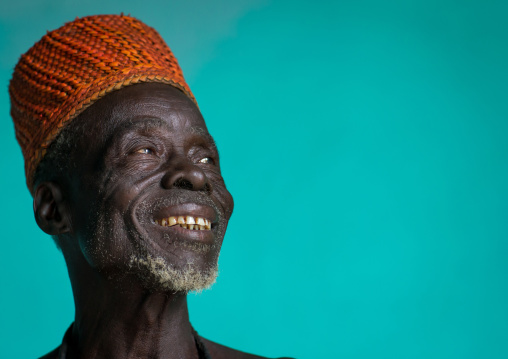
{"points": [[188, 222]]}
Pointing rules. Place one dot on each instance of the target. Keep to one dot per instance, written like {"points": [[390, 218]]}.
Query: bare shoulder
{"points": [[218, 351], [51, 355]]}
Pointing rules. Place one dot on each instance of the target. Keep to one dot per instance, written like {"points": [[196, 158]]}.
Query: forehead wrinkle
{"points": [[154, 101], [155, 109], [143, 122]]}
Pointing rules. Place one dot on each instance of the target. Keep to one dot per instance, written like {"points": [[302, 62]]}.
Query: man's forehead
{"points": [[144, 106], [150, 98], [156, 100], [145, 115], [147, 101], [171, 115], [144, 123]]}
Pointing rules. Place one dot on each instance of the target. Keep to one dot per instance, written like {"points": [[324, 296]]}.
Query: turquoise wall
{"points": [[371, 212]]}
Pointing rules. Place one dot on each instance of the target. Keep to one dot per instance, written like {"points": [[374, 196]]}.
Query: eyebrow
{"points": [[203, 133], [143, 122]]}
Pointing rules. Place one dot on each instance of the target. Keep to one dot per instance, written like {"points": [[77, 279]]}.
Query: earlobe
{"points": [[50, 210]]}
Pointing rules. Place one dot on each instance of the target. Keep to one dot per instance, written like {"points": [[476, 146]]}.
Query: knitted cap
{"points": [[72, 67]]}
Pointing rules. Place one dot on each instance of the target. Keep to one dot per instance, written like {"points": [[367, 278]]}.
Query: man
{"points": [[126, 178]]}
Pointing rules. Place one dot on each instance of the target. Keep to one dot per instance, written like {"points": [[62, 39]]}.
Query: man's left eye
{"points": [[145, 151], [207, 160]]}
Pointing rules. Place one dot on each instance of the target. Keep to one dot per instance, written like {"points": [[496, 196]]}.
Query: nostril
{"points": [[183, 183]]}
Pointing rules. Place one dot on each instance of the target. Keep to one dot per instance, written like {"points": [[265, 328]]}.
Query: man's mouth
{"points": [[188, 222]]}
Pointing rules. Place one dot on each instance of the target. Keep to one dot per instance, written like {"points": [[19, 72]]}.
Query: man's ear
{"points": [[50, 211]]}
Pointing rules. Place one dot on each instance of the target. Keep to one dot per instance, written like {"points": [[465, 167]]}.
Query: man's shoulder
{"points": [[218, 351], [51, 355]]}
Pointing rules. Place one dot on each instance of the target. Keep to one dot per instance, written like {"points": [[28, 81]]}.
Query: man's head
{"points": [[72, 67], [137, 159]]}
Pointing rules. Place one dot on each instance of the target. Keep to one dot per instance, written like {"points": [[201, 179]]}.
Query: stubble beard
{"points": [[153, 272], [158, 275]]}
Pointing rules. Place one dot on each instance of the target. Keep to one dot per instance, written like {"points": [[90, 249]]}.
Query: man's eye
{"points": [[207, 160], [145, 151]]}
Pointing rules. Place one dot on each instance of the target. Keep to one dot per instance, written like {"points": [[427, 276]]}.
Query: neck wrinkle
{"points": [[127, 323]]}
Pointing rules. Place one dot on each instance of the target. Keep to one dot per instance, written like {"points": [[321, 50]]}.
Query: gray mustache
{"points": [[177, 197]]}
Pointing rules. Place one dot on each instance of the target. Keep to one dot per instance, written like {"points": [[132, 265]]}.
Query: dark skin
{"points": [[145, 154]]}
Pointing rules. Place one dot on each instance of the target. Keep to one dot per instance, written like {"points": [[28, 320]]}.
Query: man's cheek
{"points": [[121, 194], [105, 244], [226, 201]]}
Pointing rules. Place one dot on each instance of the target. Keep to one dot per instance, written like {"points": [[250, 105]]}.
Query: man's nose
{"points": [[186, 176]]}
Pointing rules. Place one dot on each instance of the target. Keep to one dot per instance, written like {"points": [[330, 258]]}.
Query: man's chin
{"points": [[157, 275]]}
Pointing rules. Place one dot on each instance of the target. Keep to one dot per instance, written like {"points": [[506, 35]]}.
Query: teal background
{"points": [[365, 143]]}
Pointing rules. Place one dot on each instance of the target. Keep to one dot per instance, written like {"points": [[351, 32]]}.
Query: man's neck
{"points": [[129, 322]]}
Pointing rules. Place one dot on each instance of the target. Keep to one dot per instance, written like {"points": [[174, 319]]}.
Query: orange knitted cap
{"points": [[72, 67]]}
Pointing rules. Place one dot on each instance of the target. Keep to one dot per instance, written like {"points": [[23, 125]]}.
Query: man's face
{"points": [[145, 160]]}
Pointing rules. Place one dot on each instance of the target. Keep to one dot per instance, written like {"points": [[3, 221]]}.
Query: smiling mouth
{"points": [[188, 222]]}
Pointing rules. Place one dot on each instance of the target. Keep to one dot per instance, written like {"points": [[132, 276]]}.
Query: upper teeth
{"points": [[189, 222]]}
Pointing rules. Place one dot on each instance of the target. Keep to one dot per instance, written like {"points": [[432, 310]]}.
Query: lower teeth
{"points": [[194, 227]]}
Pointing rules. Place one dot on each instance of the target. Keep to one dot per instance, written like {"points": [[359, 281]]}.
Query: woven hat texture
{"points": [[72, 67]]}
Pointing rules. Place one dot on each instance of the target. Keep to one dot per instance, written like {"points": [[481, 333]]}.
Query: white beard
{"points": [[163, 277]]}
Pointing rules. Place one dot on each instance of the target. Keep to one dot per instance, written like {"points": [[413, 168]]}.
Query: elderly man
{"points": [[126, 178]]}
